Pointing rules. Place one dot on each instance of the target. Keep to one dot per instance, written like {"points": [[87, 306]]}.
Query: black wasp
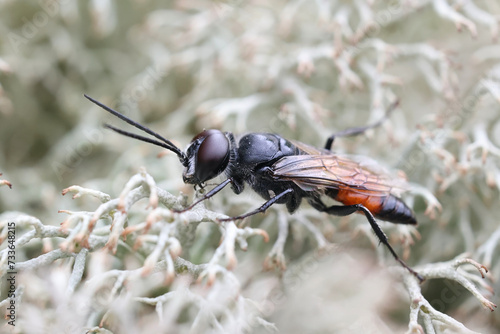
{"points": [[285, 171]]}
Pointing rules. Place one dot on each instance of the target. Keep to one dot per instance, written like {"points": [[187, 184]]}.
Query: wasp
{"points": [[285, 171]]}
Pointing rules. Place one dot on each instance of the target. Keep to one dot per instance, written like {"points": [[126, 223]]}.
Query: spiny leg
{"points": [[345, 210], [360, 130], [262, 208], [209, 194]]}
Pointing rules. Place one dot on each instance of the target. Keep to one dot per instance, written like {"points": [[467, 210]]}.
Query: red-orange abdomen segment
{"points": [[386, 207]]}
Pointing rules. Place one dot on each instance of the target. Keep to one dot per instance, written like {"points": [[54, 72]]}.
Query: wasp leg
{"points": [[209, 194], [345, 210], [263, 208], [360, 130]]}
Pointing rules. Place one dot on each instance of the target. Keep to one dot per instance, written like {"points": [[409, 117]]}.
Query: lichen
{"points": [[118, 258]]}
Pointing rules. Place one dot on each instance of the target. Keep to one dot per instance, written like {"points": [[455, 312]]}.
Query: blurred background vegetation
{"points": [[303, 69]]}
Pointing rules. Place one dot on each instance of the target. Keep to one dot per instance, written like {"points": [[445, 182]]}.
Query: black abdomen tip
{"points": [[396, 211]]}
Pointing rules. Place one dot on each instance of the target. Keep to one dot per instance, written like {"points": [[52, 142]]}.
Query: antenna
{"points": [[165, 143]]}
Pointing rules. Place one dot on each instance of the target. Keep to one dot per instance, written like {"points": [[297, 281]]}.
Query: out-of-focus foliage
{"points": [[303, 69]]}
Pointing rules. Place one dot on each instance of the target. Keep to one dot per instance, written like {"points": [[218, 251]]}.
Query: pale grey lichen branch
{"points": [[322, 242], [435, 321], [483, 143], [141, 179], [181, 266], [221, 109], [5, 182], [487, 250], [180, 297], [158, 302], [276, 257], [433, 205], [78, 269], [231, 234], [493, 86], [139, 186], [40, 231], [80, 191], [445, 10], [117, 228], [43, 260], [450, 270], [22, 220], [167, 246], [481, 16], [77, 227]]}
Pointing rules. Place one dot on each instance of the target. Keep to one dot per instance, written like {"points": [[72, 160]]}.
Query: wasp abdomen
{"points": [[388, 207], [394, 210]]}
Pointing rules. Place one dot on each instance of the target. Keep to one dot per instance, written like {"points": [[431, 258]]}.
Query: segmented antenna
{"points": [[165, 143]]}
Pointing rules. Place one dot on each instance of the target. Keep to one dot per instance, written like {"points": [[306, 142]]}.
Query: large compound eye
{"points": [[212, 156]]}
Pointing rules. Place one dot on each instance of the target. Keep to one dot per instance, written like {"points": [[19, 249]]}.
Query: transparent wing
{"points": [[328, 170]]}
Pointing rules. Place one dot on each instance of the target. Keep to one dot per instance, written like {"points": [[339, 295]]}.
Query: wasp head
{"points": [[206, 157]]}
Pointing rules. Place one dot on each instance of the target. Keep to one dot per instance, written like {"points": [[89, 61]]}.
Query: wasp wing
{"points": [[311, 150], [330, 171]]}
